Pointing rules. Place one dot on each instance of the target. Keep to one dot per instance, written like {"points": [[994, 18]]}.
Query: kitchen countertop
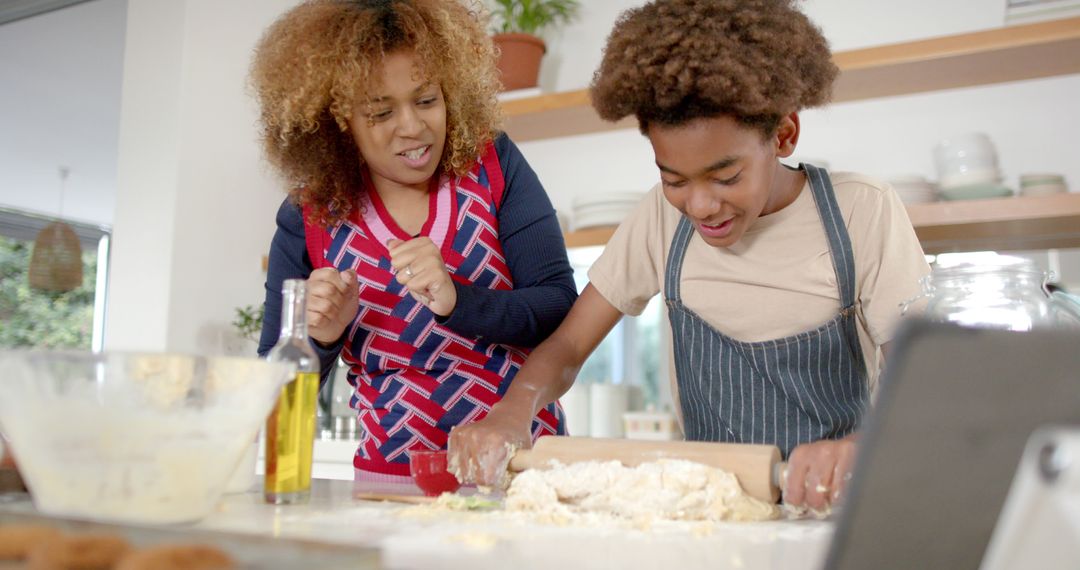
{"points": [[412, 538]]}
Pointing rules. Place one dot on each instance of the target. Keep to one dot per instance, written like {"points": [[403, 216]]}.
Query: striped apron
{"points": [[787, 391]]}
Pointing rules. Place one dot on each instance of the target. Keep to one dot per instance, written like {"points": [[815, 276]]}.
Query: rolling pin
{"points": [[757, 467]]}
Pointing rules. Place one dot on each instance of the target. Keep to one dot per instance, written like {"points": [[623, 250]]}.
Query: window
{"points": [[635, 352], [40, 319]]}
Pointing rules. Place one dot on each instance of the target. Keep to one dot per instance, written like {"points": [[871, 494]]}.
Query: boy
{"points": [[782, 285]]}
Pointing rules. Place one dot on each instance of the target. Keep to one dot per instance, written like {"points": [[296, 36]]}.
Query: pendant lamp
{"points": [[56, 262]]}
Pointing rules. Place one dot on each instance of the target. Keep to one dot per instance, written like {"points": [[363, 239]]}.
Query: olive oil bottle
{"points": [[290, 429]]}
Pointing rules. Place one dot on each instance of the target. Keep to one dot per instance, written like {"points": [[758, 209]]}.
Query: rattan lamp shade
{"points": [[56, 262]]}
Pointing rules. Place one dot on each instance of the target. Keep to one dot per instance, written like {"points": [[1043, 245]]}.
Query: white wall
{"points": [[195, 202], [60, 74], [575, 51]]}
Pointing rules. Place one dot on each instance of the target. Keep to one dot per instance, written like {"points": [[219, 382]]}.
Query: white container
{"points": [[575, 404], [1042, 184], [607, 404], [965, 160], [914, 189]]}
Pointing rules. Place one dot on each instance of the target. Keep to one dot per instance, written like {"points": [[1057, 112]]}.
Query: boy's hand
{"points": [[818, 472], [480, 452]]}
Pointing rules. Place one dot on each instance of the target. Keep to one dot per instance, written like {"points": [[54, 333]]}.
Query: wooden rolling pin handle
{"points": [[779, 476]]}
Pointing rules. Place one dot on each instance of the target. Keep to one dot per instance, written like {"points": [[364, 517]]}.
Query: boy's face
{"points": [[401, 129], [719, 174]]}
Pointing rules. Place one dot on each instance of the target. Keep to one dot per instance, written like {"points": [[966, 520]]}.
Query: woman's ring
{"points": [[408, 271]]}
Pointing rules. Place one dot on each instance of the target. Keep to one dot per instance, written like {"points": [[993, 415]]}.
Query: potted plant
{"points": [[247, 326], [518, 24]]}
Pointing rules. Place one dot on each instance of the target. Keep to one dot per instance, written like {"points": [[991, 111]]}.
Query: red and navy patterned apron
{"points": [[413, 378]]}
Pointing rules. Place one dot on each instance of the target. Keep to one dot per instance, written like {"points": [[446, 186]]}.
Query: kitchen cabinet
{"points": [[1020, 223]]}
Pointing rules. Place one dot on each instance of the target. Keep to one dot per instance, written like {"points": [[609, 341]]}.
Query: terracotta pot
{"points": [[519, 60]]}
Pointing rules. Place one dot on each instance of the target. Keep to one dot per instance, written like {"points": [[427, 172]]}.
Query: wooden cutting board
{"points": [[758, 467], [394, 498]]}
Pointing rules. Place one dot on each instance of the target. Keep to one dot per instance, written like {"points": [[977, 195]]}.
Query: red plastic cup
{"points": [[428, 469]]}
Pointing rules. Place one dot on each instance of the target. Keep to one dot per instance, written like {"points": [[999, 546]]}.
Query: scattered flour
{"points": [[481, 541]]}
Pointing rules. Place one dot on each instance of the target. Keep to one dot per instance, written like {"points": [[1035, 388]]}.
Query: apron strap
{"points": [[673, 271], [316, 240], [839, 242]]}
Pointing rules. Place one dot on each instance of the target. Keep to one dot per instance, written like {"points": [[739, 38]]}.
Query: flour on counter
{"points": [[661, 490]]}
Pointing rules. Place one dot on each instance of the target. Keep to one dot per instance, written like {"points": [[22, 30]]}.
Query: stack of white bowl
{"points": [[604, 209], [914, 189], [1041, 184], [967, 168]]}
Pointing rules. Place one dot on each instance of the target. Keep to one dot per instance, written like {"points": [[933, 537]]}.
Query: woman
{"points": [[782, 285], [432, 254]]}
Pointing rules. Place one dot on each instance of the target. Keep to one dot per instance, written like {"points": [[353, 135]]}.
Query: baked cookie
{"points": [[177, 557], [78, 552], [17, 540]]}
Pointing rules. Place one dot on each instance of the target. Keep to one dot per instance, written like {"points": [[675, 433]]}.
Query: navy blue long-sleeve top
{"points": [[532, 244]]}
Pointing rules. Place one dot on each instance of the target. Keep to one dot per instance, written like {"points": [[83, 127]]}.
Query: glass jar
{"points": [[986, 291]]}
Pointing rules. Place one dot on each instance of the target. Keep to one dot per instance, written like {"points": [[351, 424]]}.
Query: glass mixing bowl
{"points": [[132, 437]]}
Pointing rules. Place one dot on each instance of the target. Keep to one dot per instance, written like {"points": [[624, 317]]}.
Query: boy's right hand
{"points": [[480, 452], [332, 303]]}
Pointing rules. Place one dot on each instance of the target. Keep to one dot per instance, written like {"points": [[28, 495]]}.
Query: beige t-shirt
{"points": [[778, 279]]}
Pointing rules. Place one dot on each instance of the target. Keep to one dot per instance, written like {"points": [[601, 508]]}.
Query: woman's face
{"points": [[401, 129], [718, 173]]}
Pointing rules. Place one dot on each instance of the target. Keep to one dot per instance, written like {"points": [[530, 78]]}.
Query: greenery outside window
{"points": [[39, 319]]}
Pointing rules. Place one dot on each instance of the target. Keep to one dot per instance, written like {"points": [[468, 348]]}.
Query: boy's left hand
{"points": [[818, 472], [418, 265]]}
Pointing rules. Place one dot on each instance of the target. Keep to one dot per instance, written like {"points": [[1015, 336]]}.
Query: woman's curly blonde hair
{"points": [[321, 56], [672, 61]]}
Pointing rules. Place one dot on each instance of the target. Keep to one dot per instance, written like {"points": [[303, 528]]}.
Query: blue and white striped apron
{"points": [[785, 392]]}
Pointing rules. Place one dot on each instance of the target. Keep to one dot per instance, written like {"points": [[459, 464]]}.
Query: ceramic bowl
{"points": [[966, 160], [976, 192]]}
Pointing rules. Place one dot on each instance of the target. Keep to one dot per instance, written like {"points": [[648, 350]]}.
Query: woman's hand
{"points": [[418, 265], [818, 472], [332, 303], [480, 452]]}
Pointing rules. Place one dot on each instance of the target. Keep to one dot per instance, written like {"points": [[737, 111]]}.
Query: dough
{"points": [[666, 489], [177, 557]]}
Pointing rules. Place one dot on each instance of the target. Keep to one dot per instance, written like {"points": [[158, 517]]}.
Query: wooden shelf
{"points": [[1002, 224], [1012, 53], [589, 236], [1037, 222]]}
